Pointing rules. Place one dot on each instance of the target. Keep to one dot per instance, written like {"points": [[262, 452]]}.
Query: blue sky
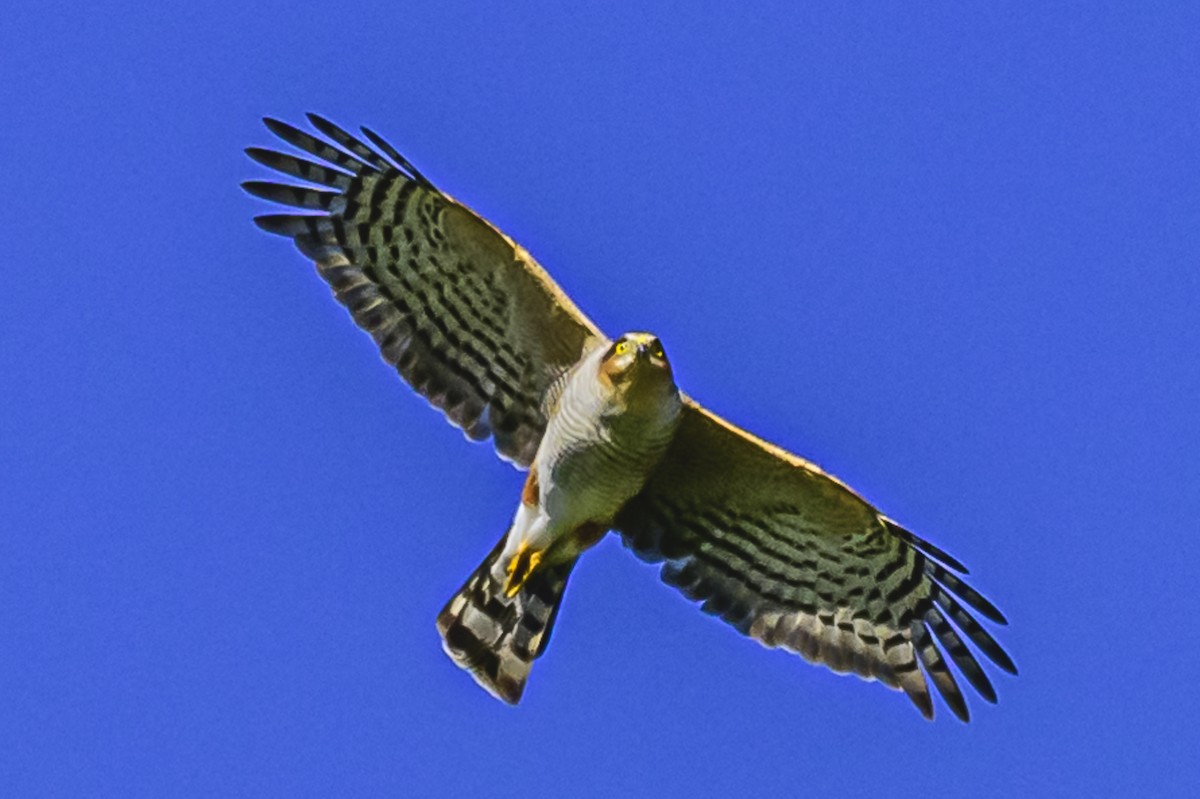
{"points": [[951, 255]]}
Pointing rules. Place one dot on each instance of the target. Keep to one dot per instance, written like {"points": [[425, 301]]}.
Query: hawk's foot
{"points": [[520, 567]]}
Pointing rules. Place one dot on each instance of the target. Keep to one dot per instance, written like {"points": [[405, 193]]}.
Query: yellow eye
{"points": [[622, 347], [657, 352]]}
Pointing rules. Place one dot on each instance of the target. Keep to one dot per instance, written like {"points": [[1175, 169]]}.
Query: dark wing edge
{"points": [[794, 559], [464, 314]]}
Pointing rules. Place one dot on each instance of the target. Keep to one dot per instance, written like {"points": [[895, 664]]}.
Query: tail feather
{"points": [[495, 637]]}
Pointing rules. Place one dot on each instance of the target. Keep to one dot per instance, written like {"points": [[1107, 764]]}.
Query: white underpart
{"points": [[594, 457]]}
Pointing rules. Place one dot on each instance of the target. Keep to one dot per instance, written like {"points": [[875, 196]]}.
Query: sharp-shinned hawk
{"points": [[777, 548]]}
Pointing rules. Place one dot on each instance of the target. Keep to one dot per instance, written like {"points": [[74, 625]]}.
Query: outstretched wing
{"points": [[465, 315], [793, 558]]}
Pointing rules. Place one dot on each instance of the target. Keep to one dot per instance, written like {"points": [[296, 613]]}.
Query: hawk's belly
{"points": [[590, 467], [591, 481]]}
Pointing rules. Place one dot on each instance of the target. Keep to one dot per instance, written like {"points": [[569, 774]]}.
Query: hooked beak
{"points": [[646, 356]]}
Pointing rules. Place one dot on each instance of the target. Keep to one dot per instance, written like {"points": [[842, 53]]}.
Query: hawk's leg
{"points": [[526, 559], [523, 564]]}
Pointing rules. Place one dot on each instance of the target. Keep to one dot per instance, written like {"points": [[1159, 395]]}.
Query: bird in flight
{"points": [[764, 539]]}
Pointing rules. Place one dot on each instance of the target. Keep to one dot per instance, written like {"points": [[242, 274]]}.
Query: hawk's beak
{"points": [[649, 355]]}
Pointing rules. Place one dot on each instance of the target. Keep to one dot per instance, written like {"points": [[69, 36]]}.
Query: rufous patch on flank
{"points": [[532, 491]]}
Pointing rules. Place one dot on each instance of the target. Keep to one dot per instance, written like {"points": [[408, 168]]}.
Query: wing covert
{"points": [[795, 559], [465, 315]]}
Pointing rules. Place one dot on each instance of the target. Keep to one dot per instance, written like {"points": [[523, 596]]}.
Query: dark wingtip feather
{"points": [[924, 703], [263, 156], [935, 552], [351, 144], [938, 672], [327, 127], [328, 175], [965, 592], [980, 637], [323, 125], [1005, 662], [952, 696], [394, 154], [990, 611], [289, 225], [262, 189], [277, 126], [286, 194], [958, 653], [982, 685], [271, 223]]}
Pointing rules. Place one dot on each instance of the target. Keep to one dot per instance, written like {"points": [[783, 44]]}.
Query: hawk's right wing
{"points": [[466, 316], [792, 557]]}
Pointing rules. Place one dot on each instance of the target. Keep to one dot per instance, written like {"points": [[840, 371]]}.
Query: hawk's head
{"points": [[636, 359]]}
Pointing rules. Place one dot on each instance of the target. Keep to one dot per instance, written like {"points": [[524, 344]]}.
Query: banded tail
{"points": [[495, 637]]}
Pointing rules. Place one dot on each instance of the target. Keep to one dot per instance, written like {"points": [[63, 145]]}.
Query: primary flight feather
{"points": [[764, 539]]}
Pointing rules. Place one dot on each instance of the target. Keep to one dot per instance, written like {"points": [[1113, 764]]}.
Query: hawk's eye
{"points": [[657, 351], [621, 348]]}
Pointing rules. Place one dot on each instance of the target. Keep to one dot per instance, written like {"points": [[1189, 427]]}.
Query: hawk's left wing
{"points": [[465, 315], [792, 557]]}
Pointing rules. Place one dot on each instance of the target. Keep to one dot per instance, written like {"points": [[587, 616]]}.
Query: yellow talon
{"points": [[520, 567]]}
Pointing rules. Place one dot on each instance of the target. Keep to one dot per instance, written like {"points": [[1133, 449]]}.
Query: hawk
{"points": [[785, 553]]}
